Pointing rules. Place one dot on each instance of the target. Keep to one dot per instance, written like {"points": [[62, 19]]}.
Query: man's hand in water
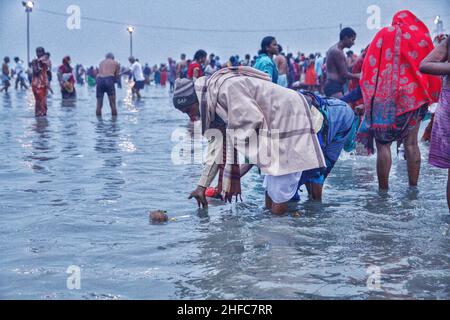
{"points": [[199, 195]]}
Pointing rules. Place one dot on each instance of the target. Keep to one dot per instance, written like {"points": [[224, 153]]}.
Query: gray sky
{"points": [[89, 44]]}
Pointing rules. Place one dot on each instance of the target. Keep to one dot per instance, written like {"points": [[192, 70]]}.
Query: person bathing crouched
{"points": [[247, 101]]}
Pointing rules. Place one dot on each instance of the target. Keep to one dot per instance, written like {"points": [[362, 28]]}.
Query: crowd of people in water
{"points": [[322, 104], [306, 71]]}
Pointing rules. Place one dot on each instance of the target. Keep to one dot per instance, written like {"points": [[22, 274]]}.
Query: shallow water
{"points": [[75, 190]]}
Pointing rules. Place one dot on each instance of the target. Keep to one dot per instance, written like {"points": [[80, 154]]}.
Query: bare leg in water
{"points": [[99, 106], [413, 160], [384, 163], [112, 104], [412, 153], [315, 191], [276, 208]]}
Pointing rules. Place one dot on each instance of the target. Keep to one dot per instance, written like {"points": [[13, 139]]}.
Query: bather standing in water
{"points": [[108, 74], [40, 83], [438, 63], [396, 95], [337, 69]]}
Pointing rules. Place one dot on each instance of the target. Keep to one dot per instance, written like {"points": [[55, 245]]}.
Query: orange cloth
{"points": [[311, 77]]}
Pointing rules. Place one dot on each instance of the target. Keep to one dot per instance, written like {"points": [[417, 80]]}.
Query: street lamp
{"points": [[130, 29], [28, 5], [437, 19], [439, 25]]}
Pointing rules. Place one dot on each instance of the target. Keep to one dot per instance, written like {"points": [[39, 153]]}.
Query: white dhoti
{"points": [[282, 188]]}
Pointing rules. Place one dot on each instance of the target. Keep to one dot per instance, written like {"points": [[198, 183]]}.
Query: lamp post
{"points": [[28, 5], [130, 30], [439, 25]]}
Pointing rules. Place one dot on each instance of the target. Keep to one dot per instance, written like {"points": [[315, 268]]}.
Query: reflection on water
{"points": [[107, 139], [76, 190], [41, 146], [68, 103]]}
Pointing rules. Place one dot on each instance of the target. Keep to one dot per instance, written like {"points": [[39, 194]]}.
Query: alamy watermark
{"points": [[374, 279], [259, 147], [374, 19], [73, 22], [73, 281]]}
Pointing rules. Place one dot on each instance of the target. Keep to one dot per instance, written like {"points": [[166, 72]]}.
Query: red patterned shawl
{"points": [[392, 84]]}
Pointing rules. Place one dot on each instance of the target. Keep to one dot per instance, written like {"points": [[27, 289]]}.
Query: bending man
{"points": [[246, 106]]}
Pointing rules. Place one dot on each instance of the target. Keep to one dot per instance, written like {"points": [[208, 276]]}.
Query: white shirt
{"points": [[19, 67], [209, 70], [136, 69]]}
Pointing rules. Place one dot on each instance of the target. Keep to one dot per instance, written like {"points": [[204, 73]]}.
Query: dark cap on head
{"points": [[184, 94]]}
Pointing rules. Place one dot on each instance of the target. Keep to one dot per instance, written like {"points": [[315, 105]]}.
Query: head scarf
{"points": [[184, 95], [392, 84], [66, 65]]}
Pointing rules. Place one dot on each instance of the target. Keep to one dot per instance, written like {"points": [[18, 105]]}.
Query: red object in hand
{"points": [[211, 192]]}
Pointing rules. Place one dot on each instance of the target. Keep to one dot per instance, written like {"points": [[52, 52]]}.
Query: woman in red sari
{"points": [[396, 94], [310, 75], [66, 79], [40, 83], [163, 75]]}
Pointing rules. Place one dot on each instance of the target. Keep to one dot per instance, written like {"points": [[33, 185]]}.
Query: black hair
{"points": [[288, 59], [200, 54], [267, 41], [247, 56], [280, 49], [347, 33], [312, 56]]}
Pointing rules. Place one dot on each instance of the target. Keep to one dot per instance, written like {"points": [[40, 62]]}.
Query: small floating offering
{"points": [[159, 216]]}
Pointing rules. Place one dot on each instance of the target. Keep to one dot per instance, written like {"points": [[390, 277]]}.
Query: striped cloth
{"points": [[440, 137]]}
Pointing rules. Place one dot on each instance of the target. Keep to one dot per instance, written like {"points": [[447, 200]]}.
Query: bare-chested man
{"points": [[337, 69], [281, 62], [182, 67]]}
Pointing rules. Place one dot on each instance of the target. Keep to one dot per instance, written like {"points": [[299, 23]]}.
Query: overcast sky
{"points": [[287, 20]]}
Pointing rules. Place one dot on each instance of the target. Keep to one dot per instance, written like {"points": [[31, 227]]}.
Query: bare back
{"points": [[336, 64], [281, 64], [180, 67], [5, 69], [108, 68]]}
